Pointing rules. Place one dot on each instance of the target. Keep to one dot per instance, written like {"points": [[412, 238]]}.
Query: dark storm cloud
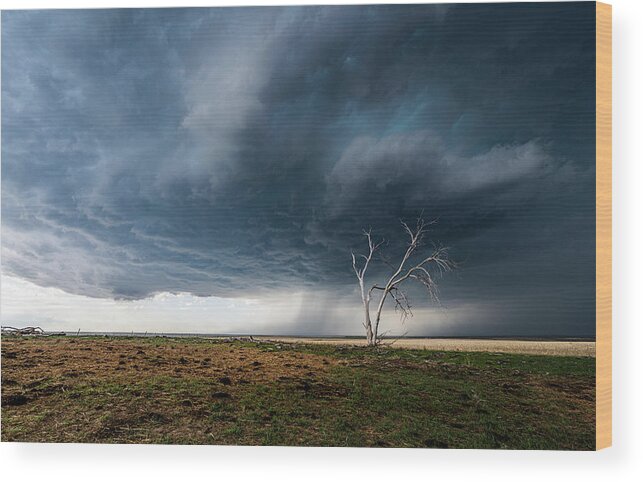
{"points": [[238, 152]]}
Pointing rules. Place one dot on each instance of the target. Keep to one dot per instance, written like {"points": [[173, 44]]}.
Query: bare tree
{"points": [[412, 266]]}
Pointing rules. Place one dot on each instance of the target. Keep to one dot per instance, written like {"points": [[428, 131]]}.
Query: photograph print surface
{"points": [[313, 226]]}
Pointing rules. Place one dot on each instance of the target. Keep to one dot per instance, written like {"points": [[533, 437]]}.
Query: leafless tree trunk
{"points": [[371, 337], [423, 269]]}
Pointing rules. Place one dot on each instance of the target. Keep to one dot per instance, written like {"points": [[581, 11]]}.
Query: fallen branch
{"points": [[26, 331]]}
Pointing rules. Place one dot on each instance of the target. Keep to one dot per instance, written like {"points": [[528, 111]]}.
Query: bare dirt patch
{"points": [[74, 358]]}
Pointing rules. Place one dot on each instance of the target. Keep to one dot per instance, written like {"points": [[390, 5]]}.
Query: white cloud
{"points": [[283, 313], [418, 163]]}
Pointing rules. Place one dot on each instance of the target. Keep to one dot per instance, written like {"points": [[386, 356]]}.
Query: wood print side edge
{"points": [[603, 225]]}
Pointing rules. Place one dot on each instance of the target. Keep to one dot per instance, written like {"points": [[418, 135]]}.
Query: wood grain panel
{"points": [[603, 225]]}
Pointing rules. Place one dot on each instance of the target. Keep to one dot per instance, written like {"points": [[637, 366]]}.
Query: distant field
{"points": [[527, 347], [200, 391]]}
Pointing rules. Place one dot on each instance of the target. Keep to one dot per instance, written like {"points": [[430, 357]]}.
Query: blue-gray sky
{"points": [[236, 154]]}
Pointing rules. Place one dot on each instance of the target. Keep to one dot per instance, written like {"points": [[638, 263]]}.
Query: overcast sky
{"points": [[209, 170]]}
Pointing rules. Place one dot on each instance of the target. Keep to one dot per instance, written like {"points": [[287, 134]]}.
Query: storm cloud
{"points": [[239, 152]]}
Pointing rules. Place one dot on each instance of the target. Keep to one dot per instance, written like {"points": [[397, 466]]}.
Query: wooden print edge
{"points": [[603, 225]]}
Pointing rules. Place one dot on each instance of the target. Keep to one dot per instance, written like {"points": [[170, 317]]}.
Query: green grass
{"points": [[561, 365], [362, 397]]}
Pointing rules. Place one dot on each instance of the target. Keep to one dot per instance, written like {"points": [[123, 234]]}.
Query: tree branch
{"points": [[420, 271]]}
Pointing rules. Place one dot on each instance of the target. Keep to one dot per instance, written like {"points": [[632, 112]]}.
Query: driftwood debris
{"points": [[26, 331]]}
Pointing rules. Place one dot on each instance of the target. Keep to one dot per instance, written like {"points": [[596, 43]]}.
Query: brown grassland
{"points": [[204, 391]]}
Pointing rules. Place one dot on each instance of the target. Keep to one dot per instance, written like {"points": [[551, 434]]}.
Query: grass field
{"points": [[197, 391]]}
